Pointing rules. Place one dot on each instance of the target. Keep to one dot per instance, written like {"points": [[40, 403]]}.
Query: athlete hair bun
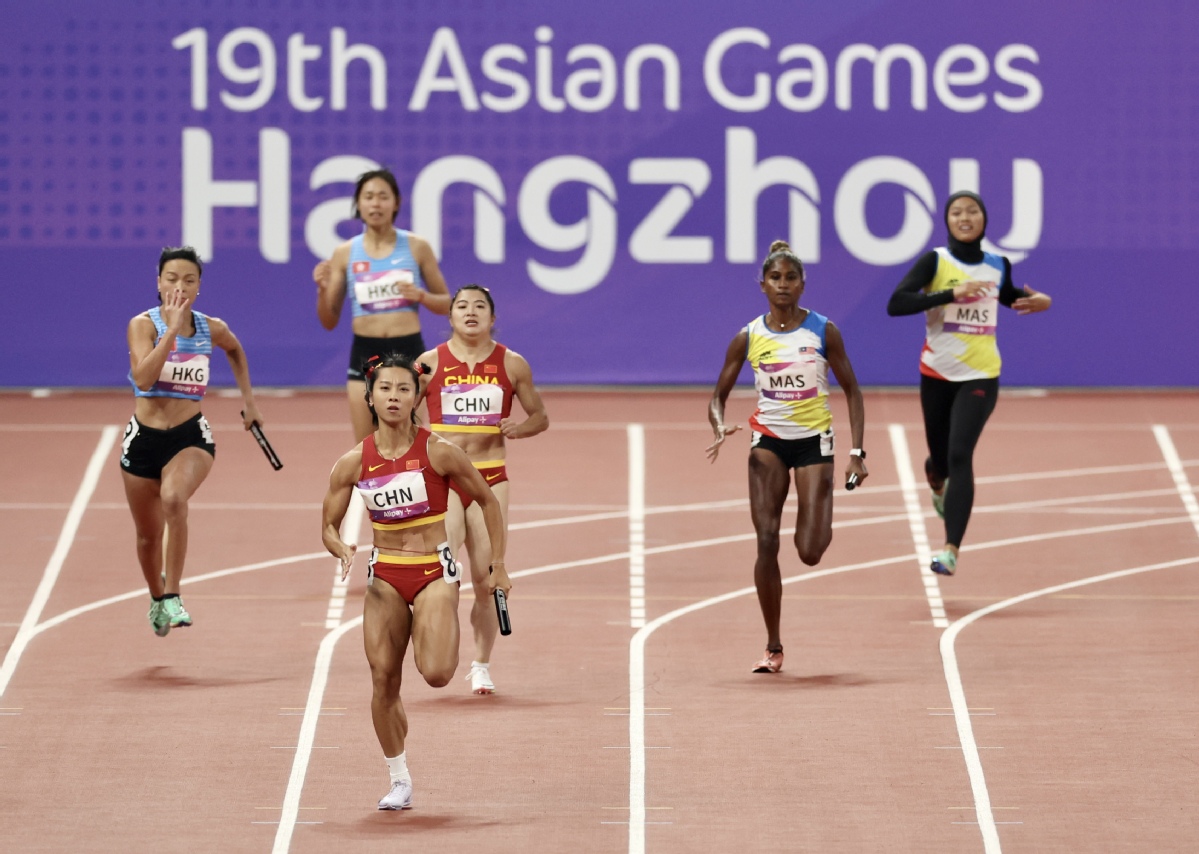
{"points": [[778, 245], [422, 369]]}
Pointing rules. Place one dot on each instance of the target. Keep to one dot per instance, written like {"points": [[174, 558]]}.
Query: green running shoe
{"points": [[939, 500], [159, 621], [176, 613], [944, 563]]}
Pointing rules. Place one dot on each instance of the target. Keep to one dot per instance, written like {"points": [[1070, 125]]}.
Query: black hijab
{"points": [[971, 252]]}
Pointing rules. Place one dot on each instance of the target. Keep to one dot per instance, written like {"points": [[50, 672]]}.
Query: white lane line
{"points": [[351, 529], [636, 435], [911, 502], [957, 695], [1185, 491], [312, 714], [637, 706], [66, 537]]}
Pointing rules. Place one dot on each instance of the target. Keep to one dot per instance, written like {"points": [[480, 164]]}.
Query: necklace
{"points": [[782, 324]]}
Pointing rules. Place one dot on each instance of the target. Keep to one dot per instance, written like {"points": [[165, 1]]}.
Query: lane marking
{"points": [[66, 537], [1185, 491], [351, 525], [957, 695], [911, 502], [637, 707], [636, 436]]}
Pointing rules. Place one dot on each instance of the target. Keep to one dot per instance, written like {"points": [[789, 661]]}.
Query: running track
{"points": [[1042, 700]]}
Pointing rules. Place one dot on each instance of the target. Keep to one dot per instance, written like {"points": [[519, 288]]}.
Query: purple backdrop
{"points": [[613, 171]]}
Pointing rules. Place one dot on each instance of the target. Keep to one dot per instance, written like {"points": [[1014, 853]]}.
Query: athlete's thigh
{"points": [[360, 413], [814, 490], [769, 481], [386, 626], [182, 476], [142, 495], [435, 630], [971, 410]]}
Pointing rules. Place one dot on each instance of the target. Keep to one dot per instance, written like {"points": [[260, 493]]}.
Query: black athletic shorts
{"points": [[797, 453], [363, 348], [146, 451]]}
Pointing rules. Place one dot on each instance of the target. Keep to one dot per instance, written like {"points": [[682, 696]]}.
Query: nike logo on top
{"points": [[372, 468], [451, 368]]}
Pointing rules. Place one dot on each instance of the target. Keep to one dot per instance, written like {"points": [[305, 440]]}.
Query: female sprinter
{"points": [[469, 392], [791, 350], [404, 473], [168, 448], [959, 287], [383, 270]]}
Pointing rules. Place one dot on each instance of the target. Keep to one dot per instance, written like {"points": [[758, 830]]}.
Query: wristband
{"points": [[858, 452]]}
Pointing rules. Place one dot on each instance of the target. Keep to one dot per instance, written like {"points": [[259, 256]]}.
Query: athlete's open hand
{"points": [[346, 557], [1034, 302], [176, 310], [714, 449]]}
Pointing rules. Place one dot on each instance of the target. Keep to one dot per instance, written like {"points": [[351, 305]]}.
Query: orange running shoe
{"points": [[772, 662]]}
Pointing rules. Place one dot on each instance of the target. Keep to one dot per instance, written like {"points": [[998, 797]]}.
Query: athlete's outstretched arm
{"points": [[734, 358]]}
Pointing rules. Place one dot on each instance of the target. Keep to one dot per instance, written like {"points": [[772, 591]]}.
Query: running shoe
{"points": [[160, 622], [399, 798], [480, 678], [939, 500], [944, 563], [176, 613], [937, 485], [772, 662]]}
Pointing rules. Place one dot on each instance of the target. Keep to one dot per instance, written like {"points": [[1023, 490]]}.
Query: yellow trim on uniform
{"points": [[463, 428], [407, 523], [489, 464], [405, 560]]}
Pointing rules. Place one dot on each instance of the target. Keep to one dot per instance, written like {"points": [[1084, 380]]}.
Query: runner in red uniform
{"points": [[469, 391], [403, 473]]}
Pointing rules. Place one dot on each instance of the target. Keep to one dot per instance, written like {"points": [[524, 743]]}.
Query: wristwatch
{"points": [[858, 452]]}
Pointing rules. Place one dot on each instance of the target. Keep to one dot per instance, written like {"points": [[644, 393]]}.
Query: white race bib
{"points": [[976, 317], [395, 497], [377, 292], [789, 380], [479, 405], [184, 373]]}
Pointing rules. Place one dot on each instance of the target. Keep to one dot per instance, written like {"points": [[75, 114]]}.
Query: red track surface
{"points": [[1082, 701]]}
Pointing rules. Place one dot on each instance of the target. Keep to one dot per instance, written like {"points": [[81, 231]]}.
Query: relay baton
{"points": [[501, 611], [852, 482], [260, 437]]}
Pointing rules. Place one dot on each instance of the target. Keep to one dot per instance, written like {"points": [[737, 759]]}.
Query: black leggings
{"points": [[954, 416]]}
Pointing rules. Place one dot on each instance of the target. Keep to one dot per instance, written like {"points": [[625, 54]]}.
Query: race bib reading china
{"points": [[184, 373], [394, 497], [789, 380], [377, 292], [976, 316], [465, 404]]}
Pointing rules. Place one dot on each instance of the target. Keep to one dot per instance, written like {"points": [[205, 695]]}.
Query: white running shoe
{"points": [[480, 678], [399, 798]]}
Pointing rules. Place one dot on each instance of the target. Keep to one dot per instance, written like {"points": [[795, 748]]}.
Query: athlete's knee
{"points": [[174, 506], [812, 548], [438, 674], [768, 540], [385, 684]]}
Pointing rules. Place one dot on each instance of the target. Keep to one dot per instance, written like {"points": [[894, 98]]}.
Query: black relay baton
{"points": [[501, 611], [260, 437]]}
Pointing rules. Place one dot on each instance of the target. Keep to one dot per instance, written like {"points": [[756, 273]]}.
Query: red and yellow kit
{"points": [[462, 400]]}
